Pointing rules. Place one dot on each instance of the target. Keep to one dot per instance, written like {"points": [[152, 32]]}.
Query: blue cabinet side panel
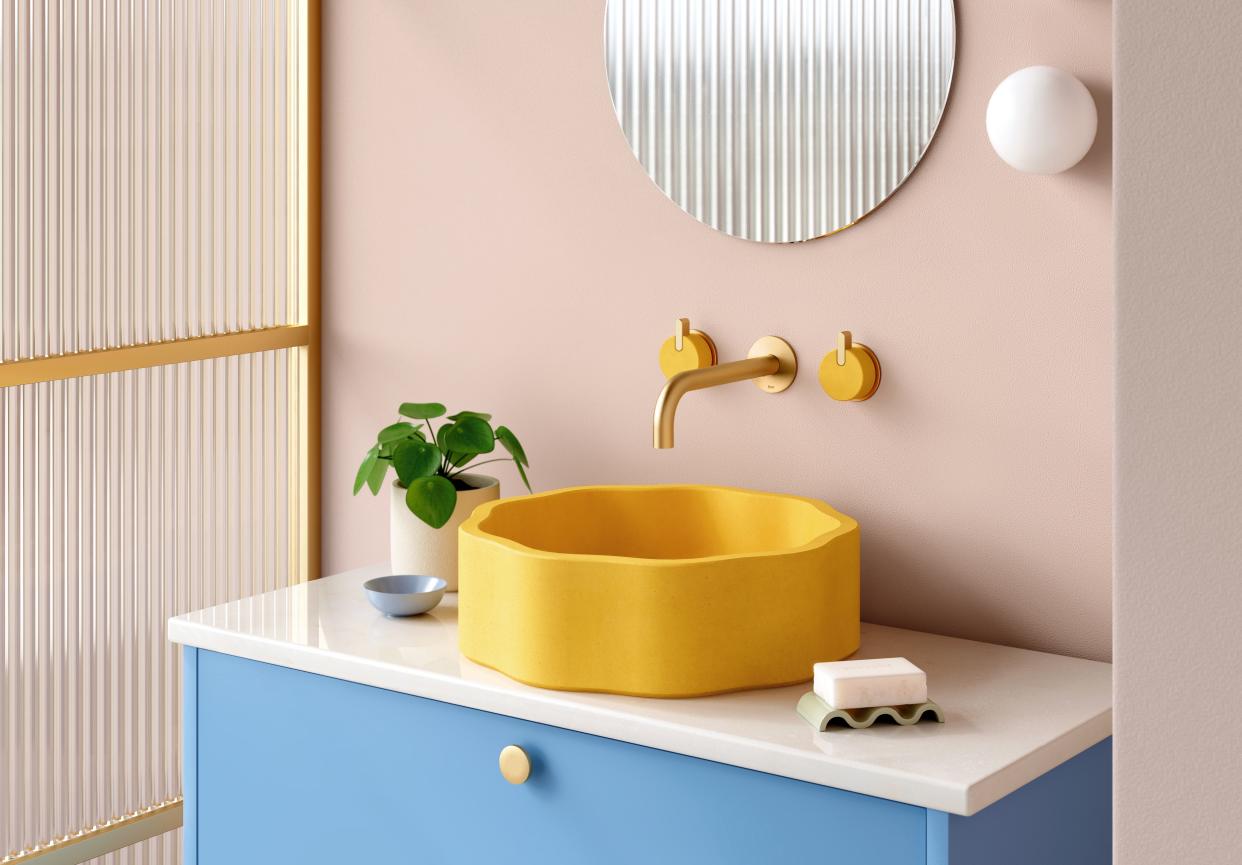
{"points": [[937, 838], [189, 754], [1063, 817], [295, 767]]}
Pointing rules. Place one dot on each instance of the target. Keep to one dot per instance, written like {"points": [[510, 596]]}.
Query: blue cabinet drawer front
{"points": [[294, 767]]}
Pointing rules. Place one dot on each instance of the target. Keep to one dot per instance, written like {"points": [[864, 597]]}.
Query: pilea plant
{"points": [[429, 462]]}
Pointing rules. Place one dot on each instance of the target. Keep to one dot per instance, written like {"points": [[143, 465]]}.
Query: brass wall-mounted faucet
{"points": [[688, 359]]}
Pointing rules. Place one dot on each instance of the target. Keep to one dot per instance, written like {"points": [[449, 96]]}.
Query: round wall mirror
{"points": [[779, 120]]}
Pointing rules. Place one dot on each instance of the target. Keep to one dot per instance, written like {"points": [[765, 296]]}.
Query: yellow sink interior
{"points": [[660, 591]]}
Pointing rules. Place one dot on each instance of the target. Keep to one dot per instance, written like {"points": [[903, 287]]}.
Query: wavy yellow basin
{"points": [[658, 591]]}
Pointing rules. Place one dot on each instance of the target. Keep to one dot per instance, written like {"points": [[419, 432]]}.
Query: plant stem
{"points": [[435, 440], [476, 465], [449, 465]]}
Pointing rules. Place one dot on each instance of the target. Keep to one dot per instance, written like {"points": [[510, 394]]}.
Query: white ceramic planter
{"points": [[417, 548]]}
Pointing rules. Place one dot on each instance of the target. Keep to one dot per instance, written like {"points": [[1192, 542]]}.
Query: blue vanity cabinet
{"points": [[287, 766]]}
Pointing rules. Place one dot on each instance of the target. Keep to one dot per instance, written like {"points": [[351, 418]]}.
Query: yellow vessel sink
{"points": [[657, 591]]}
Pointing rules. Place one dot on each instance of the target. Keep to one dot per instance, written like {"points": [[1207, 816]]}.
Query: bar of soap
{"points": [[871, 682]]}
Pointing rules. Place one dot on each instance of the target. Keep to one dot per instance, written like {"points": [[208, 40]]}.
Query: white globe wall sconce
{"points": [[1041, 120]]}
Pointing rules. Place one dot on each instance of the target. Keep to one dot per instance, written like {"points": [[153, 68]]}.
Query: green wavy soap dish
{"points": [[819, 714]]}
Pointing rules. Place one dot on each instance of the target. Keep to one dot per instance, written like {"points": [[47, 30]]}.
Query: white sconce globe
{"points": [[1041, 120]]}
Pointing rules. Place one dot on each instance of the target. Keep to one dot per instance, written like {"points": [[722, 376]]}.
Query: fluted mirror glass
{"points": [[779, 120]]}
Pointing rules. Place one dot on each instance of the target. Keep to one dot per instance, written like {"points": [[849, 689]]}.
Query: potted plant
{"points": [[433, 492]]}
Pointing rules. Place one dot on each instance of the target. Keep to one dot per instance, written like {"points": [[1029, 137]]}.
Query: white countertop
{"points": [[1011, 714]]}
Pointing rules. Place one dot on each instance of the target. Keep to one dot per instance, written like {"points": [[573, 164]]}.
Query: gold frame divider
{"points": [[104, 839], [62, 366]]}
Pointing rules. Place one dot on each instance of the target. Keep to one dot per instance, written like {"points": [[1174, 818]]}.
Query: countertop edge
{"points": [[548, 708], [991, 789]]}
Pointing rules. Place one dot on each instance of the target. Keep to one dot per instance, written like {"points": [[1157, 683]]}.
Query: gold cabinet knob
{"points": [[514, 764], [852, 372], [686, 349]]}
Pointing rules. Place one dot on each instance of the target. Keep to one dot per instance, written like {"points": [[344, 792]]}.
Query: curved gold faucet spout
{"points": [[697, 379]]}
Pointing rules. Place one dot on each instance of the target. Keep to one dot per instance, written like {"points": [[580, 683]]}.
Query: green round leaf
{"points": [[364, 470], [481, 415], [376, 479], [395, 432], [470, 435], [522, 472], [421, 410], [415, 459], [510, 443], [432, 500]]}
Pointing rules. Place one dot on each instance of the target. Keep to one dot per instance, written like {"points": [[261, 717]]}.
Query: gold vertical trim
{"points": [[305, 363], [311, 300]]}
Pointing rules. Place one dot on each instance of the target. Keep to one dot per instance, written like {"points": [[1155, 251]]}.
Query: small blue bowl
{"points": [[404, 594]]}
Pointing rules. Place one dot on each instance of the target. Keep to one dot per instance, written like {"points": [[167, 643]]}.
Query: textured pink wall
{"points": [[490, 242], [1178, 602]]}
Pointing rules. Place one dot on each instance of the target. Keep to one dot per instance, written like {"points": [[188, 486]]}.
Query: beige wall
{"points": [[1178, 602], [491, 242]]}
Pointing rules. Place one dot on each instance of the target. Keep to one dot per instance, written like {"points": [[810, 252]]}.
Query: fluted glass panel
{"points": [[146, 152], [779, 120], [125, 499], [152, 188]]}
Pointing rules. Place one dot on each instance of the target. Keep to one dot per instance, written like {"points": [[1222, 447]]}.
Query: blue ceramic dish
{"points": [[404, 594]]}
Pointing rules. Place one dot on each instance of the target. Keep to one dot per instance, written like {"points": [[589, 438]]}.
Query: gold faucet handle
{"points": [[845, 341], [686, 349], [852, 372]]}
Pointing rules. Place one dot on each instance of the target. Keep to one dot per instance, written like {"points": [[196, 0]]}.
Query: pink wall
{"points": [[490, 242], [1178, 600]]}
